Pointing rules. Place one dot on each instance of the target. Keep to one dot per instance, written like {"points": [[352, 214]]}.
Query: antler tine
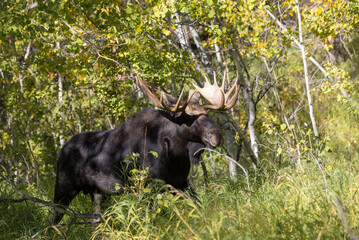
{"points": [[231, 89], [147, 92], [177, 107], [179, 101], [207, 80], [191, 95], [234, 98], [182, 108]]}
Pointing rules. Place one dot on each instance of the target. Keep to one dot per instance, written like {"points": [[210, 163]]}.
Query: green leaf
{"points": [[211, 13], [154, 153], [147, 190], [129, 10]]}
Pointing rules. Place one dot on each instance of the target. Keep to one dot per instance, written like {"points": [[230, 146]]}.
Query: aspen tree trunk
{"points": [[306, 75], [197, 40], [182, 33], [227, 129], [232, 167], [248, 96], [60, 99], [22, 65], [183, 41], [204, 60]]}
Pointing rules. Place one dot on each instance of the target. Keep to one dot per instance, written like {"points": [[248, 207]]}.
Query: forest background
{"points": [[289, 165]]}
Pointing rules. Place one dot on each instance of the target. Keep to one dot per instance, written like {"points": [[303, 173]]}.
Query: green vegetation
{"points": [[70, 66]]}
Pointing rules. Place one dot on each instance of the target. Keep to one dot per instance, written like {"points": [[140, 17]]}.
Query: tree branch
{"points": [[25, 197], [344, 93], [306, 74]]}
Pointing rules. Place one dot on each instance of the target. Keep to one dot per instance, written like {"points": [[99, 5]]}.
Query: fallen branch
{"points": [[25, 197]]}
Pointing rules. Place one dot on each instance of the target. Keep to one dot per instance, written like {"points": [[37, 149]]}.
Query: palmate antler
{"points": [[218, 99]]}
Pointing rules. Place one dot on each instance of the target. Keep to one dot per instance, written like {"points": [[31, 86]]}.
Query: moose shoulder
{"points": [[95, 162]]}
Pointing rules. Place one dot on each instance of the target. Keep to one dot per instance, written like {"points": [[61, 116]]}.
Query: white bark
{"points": [[232, 167], [248, 96], [247, 145], [227, 130], [197, 41], [306, 75], [218, 54], [183, 40], [60, 99], [181, 34]]}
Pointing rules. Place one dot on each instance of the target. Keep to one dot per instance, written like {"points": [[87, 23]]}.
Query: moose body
{"points": [[95, 162]]}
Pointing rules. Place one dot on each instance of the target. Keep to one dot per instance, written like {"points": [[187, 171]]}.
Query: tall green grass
{"points": [[287, 203]]}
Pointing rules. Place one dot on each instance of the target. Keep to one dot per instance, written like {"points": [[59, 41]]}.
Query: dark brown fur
{"points": [[93, 162]]}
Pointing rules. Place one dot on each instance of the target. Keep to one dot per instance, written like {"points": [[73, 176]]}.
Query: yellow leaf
{"points": [[166, 32], [157, 14]]}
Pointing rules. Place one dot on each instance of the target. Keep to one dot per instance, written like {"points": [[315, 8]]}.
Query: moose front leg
{"points": [[96, 203]]}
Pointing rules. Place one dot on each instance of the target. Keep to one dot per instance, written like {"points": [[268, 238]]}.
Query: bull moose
{"points": [[94, 162]]}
